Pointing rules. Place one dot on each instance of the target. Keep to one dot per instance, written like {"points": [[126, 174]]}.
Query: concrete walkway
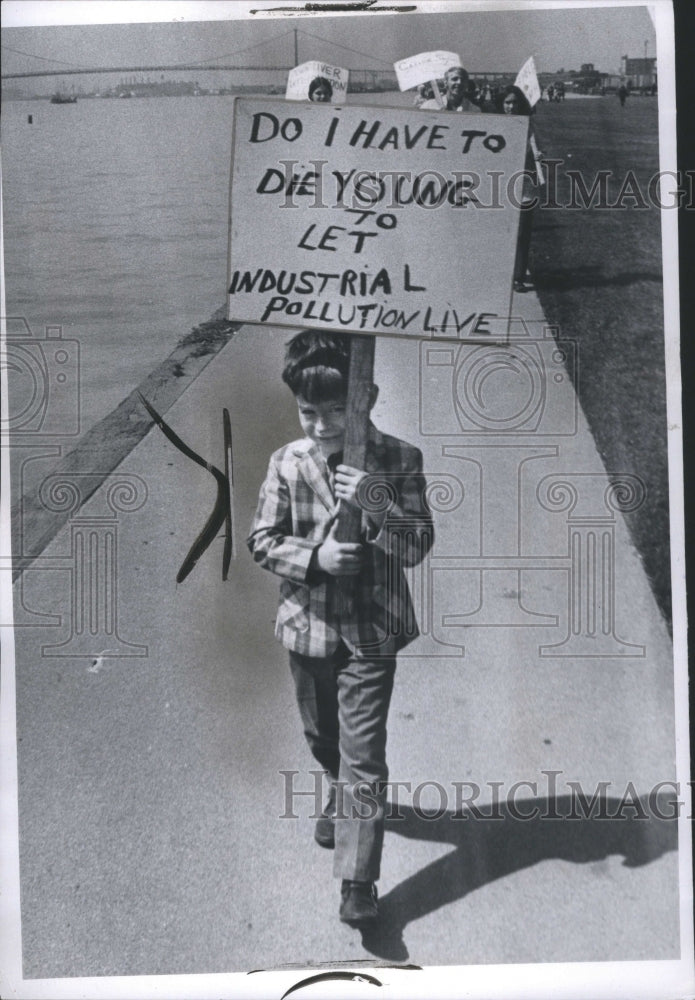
{"points": [[151, 785]]}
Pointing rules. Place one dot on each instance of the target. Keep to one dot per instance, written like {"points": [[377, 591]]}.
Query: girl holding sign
{"points": [[320, 90]]}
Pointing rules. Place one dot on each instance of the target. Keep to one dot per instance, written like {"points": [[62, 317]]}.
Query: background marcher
{"points": [[456, 94], [320, 90]]}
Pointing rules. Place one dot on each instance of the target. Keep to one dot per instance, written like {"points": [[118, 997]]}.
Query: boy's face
{"points": [[455, 84], [323, 423]]}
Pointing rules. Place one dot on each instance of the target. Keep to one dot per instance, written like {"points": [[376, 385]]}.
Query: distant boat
{"points": [[63, 99]]}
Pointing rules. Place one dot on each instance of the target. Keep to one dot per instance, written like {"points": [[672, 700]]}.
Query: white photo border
{"points": [[567, 981]]}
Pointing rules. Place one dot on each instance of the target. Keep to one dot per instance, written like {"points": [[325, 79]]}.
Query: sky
{"points": [[487, 40]]}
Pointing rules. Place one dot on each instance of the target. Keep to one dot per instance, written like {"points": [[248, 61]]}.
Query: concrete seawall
{"points": [[112, 439]]}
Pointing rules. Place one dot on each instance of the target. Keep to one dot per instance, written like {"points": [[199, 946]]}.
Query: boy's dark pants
{"points": [[344, 702]]}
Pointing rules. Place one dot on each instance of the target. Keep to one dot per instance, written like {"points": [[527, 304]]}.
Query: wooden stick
{"points": [[438, 96], [360, 380]]}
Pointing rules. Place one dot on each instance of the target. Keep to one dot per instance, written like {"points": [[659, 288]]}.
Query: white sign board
{"points": [[422, 68], [374, 220], [299, 80], [527, 82]]}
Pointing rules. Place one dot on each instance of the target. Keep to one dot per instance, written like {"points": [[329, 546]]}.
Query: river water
{"points": [[115, 226]]}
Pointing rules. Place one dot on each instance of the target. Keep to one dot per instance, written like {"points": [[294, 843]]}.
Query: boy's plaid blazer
{"points": [[296, 509]]}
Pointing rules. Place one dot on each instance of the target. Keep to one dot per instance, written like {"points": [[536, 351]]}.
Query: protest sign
{"points": [[374, 220], [423, 67], [527, 81], [299, 80]]}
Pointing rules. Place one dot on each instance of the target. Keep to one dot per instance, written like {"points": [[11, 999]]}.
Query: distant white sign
{"points": [[373, 220], [301, 78], [527, 82], [422, 68]]}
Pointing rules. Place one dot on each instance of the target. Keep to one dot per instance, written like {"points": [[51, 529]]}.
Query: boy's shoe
{"points": [[358, 904], [324, 831]]}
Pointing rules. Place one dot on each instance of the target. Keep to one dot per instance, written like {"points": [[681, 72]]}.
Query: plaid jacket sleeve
{"points": [[398, 519], [271, 541]]}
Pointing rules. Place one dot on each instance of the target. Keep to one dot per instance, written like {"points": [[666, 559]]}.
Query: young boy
{"points": [[345, 609]]}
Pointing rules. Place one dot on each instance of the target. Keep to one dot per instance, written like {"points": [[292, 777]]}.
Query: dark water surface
{"points": [[115, 223]]}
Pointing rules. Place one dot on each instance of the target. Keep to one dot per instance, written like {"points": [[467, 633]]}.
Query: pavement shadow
{"points": [[489, 847]]}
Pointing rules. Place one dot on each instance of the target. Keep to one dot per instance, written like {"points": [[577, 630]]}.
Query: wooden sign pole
{"points": [[360, 380], [438, 96]]}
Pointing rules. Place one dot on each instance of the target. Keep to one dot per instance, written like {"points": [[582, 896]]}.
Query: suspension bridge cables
{"points": [[31, 55], [347, 48], [237, 52]]}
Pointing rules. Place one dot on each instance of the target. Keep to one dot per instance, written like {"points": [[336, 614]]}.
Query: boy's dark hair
{"points": [[316, 365]]}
